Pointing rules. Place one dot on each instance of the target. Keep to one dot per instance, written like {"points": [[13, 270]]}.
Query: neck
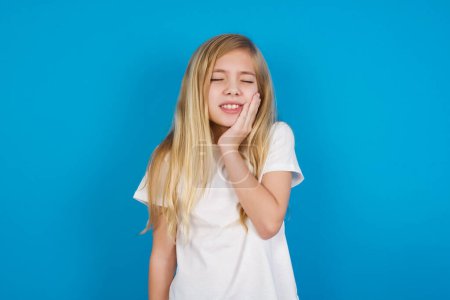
{"points": [[217, 130]]}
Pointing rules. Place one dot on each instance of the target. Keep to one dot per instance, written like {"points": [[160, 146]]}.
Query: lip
{"points": [[231, 111], [231, 102]]}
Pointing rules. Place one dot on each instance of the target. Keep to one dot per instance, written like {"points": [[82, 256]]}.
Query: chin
{"points": [[228, 122], [225, 122]]}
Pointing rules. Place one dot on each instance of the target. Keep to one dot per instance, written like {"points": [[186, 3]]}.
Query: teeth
{"points": [[230, 106]]}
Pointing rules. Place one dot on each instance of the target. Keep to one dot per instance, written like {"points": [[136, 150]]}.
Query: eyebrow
{"points": [[242, 72]]}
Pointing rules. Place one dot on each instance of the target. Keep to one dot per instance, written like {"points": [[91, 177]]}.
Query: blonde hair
{"points": [[187, 146]]}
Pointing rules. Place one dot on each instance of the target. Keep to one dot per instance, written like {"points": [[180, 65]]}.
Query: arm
{"points": [[265, 203], [163, 262]]}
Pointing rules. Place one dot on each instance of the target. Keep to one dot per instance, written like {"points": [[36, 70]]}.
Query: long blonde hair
{"points": [[187, 146]]}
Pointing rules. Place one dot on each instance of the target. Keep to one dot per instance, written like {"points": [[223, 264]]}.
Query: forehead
{"points": [[238, 60]]}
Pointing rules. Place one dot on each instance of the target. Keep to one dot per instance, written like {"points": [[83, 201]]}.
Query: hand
{"points": [[233, 137]]}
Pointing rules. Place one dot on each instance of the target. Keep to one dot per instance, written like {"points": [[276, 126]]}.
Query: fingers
{"points": [[242, 116], [248, 114], [252, 110]]}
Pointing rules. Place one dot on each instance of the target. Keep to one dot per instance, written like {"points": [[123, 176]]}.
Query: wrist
{"points": [[228, 148]]}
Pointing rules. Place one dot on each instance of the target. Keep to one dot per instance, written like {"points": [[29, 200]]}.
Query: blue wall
{"points": [[88, 89]]}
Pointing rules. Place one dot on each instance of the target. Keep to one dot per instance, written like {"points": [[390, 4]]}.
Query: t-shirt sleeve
{"points": [[281, 156], [141, 192]]}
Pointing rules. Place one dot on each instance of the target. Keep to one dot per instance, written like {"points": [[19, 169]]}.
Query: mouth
{"points": [[231, 108]]}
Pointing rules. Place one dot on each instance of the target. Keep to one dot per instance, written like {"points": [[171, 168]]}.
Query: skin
{"points": [[265, 203], [231, 85]]}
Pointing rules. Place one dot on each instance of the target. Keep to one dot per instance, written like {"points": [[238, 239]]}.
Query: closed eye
{"points": [[241, 80]]}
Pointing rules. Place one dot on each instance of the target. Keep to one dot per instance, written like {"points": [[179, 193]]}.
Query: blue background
{"points": [[88, 89]]}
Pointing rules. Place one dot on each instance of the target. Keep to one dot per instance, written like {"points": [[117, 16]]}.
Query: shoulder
{"points": [[161, 152], [166, 157], [281, 125], [282, 130]]}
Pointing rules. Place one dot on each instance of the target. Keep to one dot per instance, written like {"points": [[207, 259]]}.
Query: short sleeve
{"points": [[281, 156], [141, 193]]}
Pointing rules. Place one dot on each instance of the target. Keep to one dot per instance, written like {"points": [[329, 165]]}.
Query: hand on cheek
{"points": [[233, 137]]}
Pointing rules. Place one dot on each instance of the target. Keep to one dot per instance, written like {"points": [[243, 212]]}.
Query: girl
{"points": [[220, 183]]}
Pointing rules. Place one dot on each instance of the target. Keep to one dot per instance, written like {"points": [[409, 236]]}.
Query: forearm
{"points": [[258, 203], [161, 273]]}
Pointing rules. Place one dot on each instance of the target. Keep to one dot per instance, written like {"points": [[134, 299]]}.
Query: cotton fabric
{"points": [[222, 261]]}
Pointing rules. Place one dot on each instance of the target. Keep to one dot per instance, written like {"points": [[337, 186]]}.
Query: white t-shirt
{"points": [[222, 261]]}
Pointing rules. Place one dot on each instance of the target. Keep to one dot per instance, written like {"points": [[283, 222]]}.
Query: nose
{"points": [[232, 88]]}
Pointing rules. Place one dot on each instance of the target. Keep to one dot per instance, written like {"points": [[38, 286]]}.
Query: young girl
{"points": [[219, 183]]}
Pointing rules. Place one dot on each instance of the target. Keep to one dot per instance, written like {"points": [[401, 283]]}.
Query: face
{"points": [[233, 81]]}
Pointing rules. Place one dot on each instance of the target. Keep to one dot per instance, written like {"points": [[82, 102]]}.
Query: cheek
{"points": [[213, 95], [250, 92], [213, 99], [252, 88]]}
